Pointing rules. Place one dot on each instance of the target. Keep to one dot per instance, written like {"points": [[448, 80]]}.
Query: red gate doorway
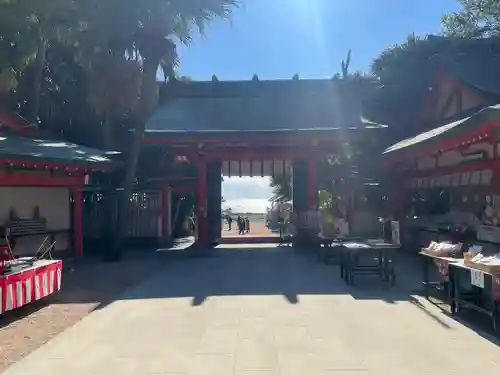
{"points": [[216, 125], [252, 177]]}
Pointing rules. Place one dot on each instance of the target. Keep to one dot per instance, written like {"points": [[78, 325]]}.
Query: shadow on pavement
{"points": [[15, 315], [252, 270]]}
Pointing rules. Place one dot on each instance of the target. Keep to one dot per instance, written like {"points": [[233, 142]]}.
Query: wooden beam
{"points": [[201, 200], [274, 138], [312, 192], [465, 167], [182, 189], [248, 155], [165, 210], [480, 134], [39, 179], [78, 221], [42, 164]]}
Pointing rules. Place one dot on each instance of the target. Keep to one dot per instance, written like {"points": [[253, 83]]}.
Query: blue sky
{"points": [[246, 194], [278, 38]]}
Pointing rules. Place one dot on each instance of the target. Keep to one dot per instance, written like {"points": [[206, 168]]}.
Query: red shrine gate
{"points": [[213, 159], [220, 126]]}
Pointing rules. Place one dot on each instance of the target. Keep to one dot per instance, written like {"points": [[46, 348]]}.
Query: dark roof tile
{"points": [[257, 106], [12, 146], [447, 131]]}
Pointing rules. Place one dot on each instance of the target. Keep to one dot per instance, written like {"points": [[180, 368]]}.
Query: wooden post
{"points": [[350, 195], [78, 221], [312, 189], [165, 212], [398, 199], [201, 200], [495, 178]]}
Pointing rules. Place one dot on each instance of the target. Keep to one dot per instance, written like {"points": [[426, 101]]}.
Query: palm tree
{"points": [[148, 30], [113, 92], [31, 25], [155, 44]]}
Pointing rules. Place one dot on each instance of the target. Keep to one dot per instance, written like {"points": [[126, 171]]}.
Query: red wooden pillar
{"points": [[398, 199], [312, 188], [350, 196], [495, 178], [165, 211], [201, 200], [78, 221]]}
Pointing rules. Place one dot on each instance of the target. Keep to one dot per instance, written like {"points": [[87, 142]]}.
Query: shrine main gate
{"points": [[255, 128], [211, 166]]}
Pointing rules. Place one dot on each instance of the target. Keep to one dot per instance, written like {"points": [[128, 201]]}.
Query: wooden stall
{"points": [[447, 180], [446, 194], [41, 202]]}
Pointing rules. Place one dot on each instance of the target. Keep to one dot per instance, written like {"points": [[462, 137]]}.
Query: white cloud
{"points": [[254, 181], [246, 205], [246, 188], [246, 194]]}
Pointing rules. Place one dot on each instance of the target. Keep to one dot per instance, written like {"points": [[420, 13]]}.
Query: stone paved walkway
{"points": [[263, 311]]}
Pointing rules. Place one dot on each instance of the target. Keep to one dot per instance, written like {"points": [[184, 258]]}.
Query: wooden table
{"points": [[330, 246], [327, 248], [443, 284], [384, 252], [28, 282], [475, 290]]}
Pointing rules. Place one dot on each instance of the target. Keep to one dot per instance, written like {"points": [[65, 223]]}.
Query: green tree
{"points": [[407, 71], [29, 26], [477, 18], [116, 49], [63, 111], [185, 79], [403, 72], [113, 93], [344, 163], [147, 30], [282, 187]]}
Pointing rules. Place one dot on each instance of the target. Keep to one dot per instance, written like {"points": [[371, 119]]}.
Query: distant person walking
{"points": [[241, 225], [247, 225], [229, 220]]}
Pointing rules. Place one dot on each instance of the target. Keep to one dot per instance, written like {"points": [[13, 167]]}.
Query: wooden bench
{"points": [[30, 227], [26, 227]]}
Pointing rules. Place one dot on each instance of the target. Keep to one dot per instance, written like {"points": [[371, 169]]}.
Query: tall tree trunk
{"points": [[147, 101], [106, 133], [41, 53], [176, 216]]}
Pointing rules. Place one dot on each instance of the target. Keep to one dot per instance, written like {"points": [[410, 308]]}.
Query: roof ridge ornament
{"points": [[255, 78], [214, 78]]}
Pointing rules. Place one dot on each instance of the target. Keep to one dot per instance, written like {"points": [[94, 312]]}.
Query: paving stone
{"points": [[255, 355], [264, 311]]}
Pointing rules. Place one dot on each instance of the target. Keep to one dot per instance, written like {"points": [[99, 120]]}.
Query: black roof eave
{"points": [[18, 150], [447, 131], [246, 133]]}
